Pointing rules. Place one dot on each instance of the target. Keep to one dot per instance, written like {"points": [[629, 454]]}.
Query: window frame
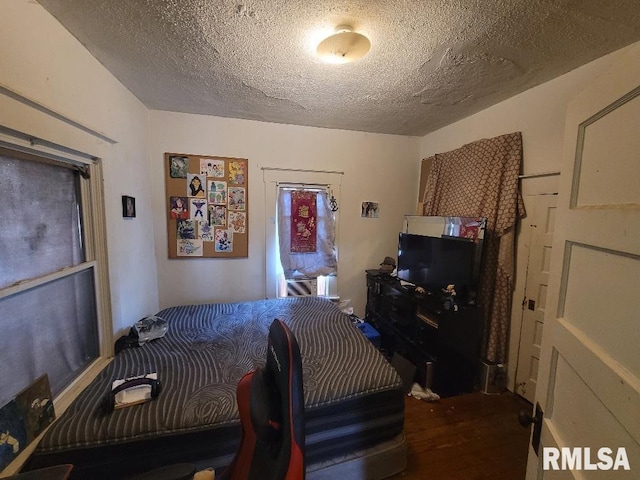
{"points": [[326, 285], [273, 178], [93, 227]]}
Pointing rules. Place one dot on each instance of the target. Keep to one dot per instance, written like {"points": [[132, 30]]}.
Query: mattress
{"points": [[353, 397]]}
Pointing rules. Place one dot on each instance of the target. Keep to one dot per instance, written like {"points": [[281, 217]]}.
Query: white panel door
{"points": [[541, 215], [589, 380]]}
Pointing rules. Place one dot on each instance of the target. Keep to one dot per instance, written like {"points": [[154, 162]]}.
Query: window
{"points": [[306, 271], [327, 184], [53, 290]]}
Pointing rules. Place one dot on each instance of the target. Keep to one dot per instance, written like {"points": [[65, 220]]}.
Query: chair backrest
{"points": [[271, 406]]}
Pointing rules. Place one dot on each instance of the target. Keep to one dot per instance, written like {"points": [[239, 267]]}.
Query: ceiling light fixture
{"points": [[343, 46]]}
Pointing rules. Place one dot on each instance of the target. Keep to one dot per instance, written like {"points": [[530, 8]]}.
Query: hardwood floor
{"points": [[469, 437]]}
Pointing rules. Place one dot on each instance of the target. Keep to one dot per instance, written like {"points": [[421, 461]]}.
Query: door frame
{"points": [[532, 234], [530, 185]]}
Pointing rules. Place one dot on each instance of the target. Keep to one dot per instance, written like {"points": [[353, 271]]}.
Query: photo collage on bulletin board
{"points": [[207, 206]]}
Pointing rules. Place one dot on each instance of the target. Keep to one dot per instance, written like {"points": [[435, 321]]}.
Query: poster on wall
{"points": [[304, 213], [207, 200]]}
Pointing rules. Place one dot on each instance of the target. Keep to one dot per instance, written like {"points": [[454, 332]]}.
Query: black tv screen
{"points": [[435, 262]]}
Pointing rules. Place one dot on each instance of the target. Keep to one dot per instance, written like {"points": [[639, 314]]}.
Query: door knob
{"points": [[525, 419]]}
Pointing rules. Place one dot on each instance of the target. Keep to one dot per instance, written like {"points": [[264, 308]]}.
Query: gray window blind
{"points": [[39, 220], [48, 325]]}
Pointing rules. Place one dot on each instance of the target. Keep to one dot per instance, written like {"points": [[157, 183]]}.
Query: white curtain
{"points": [[323, 261]]}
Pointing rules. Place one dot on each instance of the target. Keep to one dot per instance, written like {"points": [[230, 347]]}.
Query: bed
{"points": [[354, 402]]}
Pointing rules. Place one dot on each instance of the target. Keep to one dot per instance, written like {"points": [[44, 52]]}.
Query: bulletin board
{"points": [[207, 202]]}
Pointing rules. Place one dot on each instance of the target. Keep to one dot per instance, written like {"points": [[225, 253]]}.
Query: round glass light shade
{"points": [[343, 46]]}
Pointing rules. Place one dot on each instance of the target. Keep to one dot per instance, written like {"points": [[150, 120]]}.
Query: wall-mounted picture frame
{"points": [[128, 206], [369, 210]]}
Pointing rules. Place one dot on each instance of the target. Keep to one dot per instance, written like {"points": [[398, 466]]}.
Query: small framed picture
{"points": [[369, 210], [128, 206], [36, 407]]}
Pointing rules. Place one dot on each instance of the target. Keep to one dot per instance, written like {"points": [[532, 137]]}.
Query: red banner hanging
{"points": [[303, 221]]}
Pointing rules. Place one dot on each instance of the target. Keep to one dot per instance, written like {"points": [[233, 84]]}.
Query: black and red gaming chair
{"points": [[271, 407]]}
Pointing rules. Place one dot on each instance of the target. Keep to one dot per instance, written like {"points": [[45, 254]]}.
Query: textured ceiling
{"points": [[432, 62]]}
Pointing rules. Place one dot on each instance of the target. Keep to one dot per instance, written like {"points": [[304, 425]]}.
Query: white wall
{"points": [[376, 167], [52, 88], [539, 114]]}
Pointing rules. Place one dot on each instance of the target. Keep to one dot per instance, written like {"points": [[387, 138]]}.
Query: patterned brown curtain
{"points": [[480, 179]]}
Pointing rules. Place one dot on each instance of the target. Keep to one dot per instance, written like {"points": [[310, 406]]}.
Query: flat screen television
{"points": [[433, 263]]}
